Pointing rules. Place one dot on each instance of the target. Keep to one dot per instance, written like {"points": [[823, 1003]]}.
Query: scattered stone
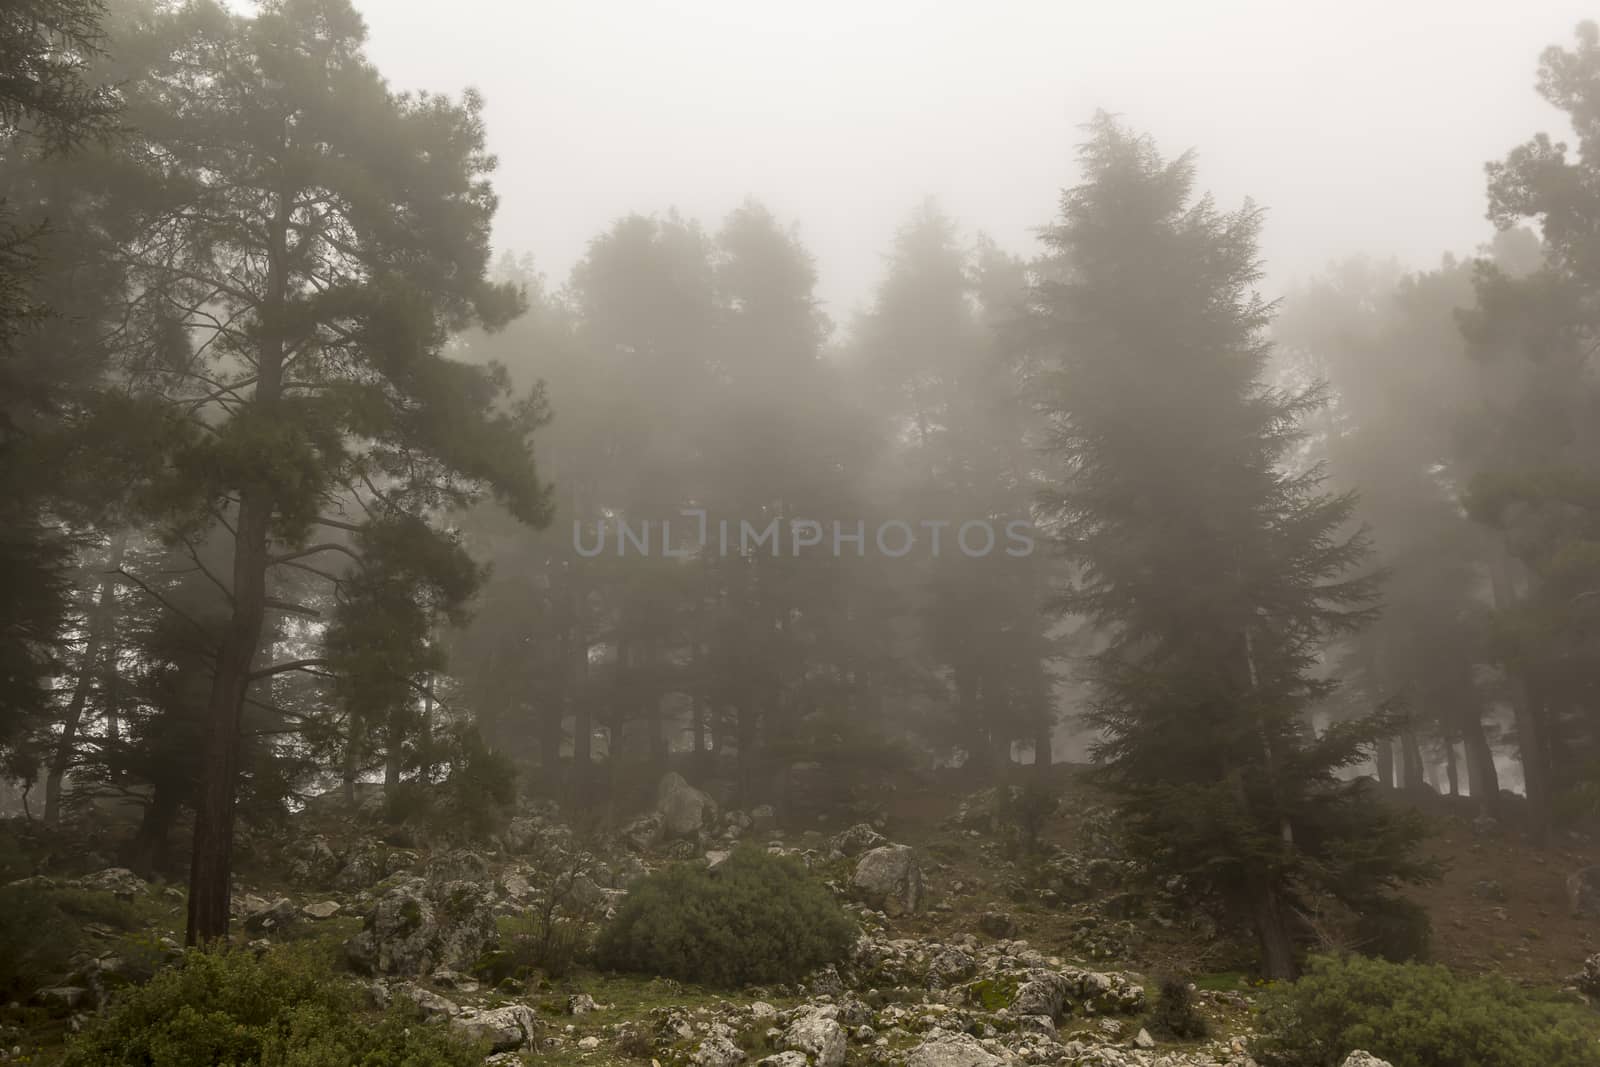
{"points": [[323, 909], [1143, 1039], [118, 881], [589, 1044], [581, 1004]]}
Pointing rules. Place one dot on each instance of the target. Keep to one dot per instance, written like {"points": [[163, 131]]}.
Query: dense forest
{"points": [[1290, 575]]}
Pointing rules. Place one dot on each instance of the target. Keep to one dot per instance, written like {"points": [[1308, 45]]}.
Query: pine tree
{"points": [[1214, 573], [310, 240]]}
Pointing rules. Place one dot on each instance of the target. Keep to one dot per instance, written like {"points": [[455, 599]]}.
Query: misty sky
{"points": [[1361, 126]]}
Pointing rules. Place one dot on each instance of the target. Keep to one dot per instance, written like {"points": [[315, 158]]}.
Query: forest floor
{"points": [[1499, 906]]}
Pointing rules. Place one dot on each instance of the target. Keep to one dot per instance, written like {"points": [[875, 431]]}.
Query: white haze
{"points": [[1361, 126]]}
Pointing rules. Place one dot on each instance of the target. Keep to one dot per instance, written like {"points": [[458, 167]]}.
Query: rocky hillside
{"points": [[986, 937]]}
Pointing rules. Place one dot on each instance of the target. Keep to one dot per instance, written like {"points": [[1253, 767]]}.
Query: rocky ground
{"points": [[978, 948]]}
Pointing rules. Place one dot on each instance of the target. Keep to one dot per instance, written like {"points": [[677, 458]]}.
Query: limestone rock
{"points": [[818, 1035], [510, 1027], [952, 1050], [685, 811], [890, 878]]}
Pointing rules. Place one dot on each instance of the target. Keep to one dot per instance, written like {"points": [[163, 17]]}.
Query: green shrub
{"points": [[285, 1009], [1395, 929], [1174, 1014], [529, 944], [755, 918], [1415, 1016], [41, 930]]}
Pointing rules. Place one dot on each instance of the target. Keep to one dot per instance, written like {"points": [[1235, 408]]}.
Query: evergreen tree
{"points": [[1214, 573], [1531, 453], [310, 239]]}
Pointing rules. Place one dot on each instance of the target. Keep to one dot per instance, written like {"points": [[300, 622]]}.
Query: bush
{"points": [[1174, 1015], [285, 1009], [755, 918], [40, 931], [1396, 930], [530, 944], [1415, 1016]]}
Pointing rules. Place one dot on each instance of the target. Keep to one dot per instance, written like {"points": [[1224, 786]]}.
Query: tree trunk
{"points": [[1483, 780], [1043, 741], [393, 756], [1383, 755], [1270, 917], [350, 772], [149, 854], [1411, 754], [1524, 703], [99, 625], [1450, 768], [210, 868]]}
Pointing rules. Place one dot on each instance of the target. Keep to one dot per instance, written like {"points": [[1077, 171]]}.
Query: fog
{"points": [[1362, 126], [572, 482]]}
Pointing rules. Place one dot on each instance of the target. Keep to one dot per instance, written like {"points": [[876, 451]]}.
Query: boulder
{"points": [[890, 878], [457, 865], [856, 840], [322, 909], [717, 1051], [952, 963], [685, 811], [945, 1049], [1363, 1058], [415, 928], [784, 1059], [274, 916], [818, 1035], [1587, 980], [434, 1008], [118, 881], [998, 925], [645, 832], [510, 1027], [1046, 993], [363, 868], [581, 1004], [1583, 892]]}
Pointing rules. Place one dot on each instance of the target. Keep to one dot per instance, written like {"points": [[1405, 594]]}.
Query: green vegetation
{"points": [[754, 918], [1417, 1016], [1174, 1014], [41, 930], [284, 1009]]}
